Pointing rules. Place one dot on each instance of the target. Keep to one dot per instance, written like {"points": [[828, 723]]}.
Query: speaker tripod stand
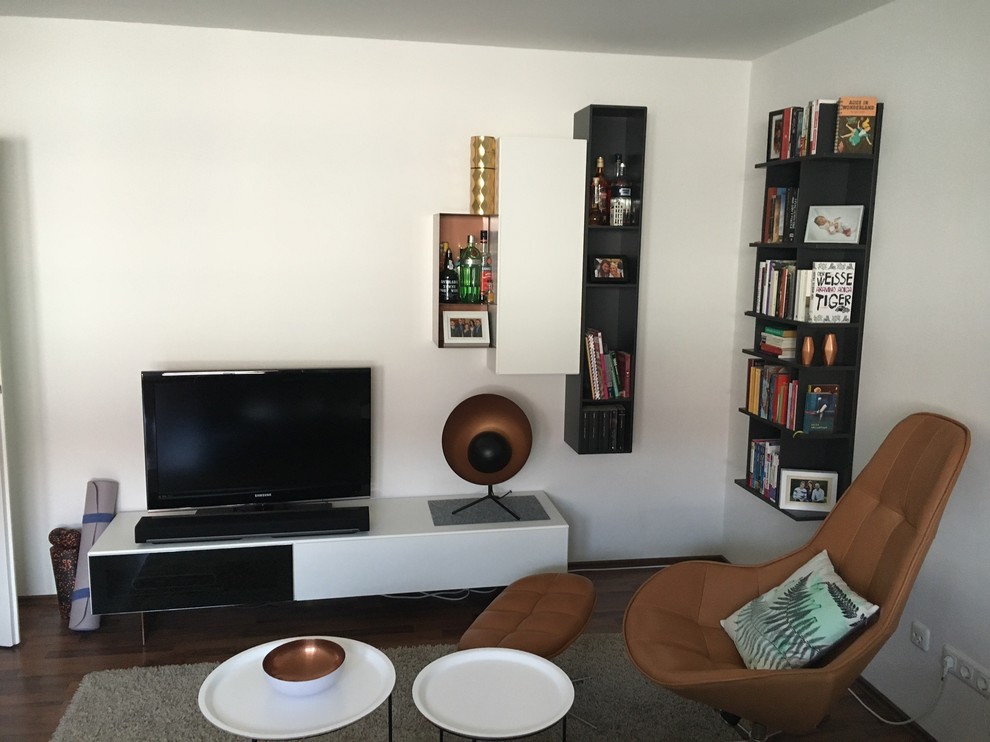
{"points": [[497, 499]]}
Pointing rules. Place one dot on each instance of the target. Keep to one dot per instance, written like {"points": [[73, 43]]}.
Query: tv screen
{"points": [[253, 437]]}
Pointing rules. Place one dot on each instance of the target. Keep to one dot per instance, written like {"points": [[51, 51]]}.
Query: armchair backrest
{"points": [[880, 530]]}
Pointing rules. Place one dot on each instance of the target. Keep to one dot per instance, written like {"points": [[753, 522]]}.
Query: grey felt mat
{"points": [[527, 507]]}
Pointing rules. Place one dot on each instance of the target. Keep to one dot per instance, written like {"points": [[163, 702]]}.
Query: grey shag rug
{"points": [[161, 703]]}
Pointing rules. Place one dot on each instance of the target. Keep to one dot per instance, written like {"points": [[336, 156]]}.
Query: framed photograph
{"points": [[807, 490], [608, 268], [468, 329], [834, 224], [775, 135]]}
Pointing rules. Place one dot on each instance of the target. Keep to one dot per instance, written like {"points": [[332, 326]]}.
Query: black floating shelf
{"points": [[801, 515]]}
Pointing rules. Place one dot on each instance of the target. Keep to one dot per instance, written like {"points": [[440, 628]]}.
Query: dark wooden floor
{"points": [[38, 677]]}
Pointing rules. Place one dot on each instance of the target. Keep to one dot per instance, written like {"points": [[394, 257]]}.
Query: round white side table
{"points": [[493, 693], [238, 698]]}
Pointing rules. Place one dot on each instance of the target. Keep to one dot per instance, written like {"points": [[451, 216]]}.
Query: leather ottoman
{"points": [[542, 614]]}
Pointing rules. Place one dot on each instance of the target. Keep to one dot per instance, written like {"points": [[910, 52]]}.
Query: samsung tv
{"points": [[254, 438]]}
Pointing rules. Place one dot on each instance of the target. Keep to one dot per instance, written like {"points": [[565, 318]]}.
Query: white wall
{"points": [[926, 340], [187, 197]]}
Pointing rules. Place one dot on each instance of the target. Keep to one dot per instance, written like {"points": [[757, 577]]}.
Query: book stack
{"points": [[822, 293], [772, 393], [786, 126], [775, 289], [764, 467], [609, 371], [780, 214], [823, 126], [604, 429], [779, 342]]}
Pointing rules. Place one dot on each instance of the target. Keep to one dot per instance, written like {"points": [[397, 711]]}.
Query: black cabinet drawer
{"points": [[190, 579]]}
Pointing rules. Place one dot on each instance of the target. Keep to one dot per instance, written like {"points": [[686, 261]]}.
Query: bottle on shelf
{"points": [[448, 277], [598, 196], [487, 280], [621, 200], [469, 273]]}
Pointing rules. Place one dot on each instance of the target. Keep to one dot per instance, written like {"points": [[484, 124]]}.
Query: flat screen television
{"points": [[256, 437]]}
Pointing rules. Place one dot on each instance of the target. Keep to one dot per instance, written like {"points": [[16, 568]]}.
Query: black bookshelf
{"points": [[612, 307], [821, 179]]}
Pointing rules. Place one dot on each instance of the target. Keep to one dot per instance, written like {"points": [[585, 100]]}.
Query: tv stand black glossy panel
{"points": [[210, 526]]}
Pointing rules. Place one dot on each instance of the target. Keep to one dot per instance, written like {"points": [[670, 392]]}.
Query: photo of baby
{"points": [[834, 224]]}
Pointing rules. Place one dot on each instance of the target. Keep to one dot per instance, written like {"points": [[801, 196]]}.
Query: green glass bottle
{"points": [[469, 273]]}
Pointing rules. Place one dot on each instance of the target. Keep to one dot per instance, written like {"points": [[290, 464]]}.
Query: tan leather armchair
{"points": [[877, 537]]}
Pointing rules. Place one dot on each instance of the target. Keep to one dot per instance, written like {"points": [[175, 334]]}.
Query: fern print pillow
{"points": [[796, 622]]}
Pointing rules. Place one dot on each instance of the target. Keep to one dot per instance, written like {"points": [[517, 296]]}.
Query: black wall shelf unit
{"points": [[821, 179], [611, 307]]}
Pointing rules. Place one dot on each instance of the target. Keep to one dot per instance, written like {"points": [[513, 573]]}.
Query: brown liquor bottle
{"points": [[598, 196]]}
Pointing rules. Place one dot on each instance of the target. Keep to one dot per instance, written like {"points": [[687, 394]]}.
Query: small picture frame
{"points": [[834, 224], [608, 268], [802, 489], [466, 329], [775, 135]]}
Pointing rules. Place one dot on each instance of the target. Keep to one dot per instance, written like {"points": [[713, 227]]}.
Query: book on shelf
{"points": [[785, 143], [802, 295], [797, 131], [606, 380], [821, 112], [623, 361], [753, 369], [820, 405], [804, 137], [613, 375], [791, 129], [775, 288], [764, 467], [785, 291], [832, 292], [855, 121], [780, 214], [604, 428], [775, 135], [771, 392], [783, 332], [594, 369], [785, 354], [778, 341]]}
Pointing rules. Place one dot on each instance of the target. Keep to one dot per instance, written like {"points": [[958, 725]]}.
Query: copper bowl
{"points": [[302, 667]]}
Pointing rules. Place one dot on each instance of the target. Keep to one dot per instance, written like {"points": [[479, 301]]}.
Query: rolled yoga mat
{"points": [[101, 506]]}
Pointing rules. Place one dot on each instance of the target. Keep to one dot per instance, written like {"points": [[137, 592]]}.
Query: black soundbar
{"points": [[157, 529]]}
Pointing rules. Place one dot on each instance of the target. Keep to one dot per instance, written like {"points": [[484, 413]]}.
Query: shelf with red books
{"points": [[816, 224]]}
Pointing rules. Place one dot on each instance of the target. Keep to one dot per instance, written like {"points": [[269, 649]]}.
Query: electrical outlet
{"points": [[976, 677], [920, 635]]}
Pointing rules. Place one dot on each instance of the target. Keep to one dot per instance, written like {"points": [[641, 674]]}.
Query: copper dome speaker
{"points": [[486, 440]]}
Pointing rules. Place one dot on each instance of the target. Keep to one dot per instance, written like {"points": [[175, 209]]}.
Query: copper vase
{"points": [[830, 349], [807, 350]]}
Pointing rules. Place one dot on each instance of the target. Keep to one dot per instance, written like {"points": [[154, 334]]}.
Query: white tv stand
{"points": [[402, 552]]}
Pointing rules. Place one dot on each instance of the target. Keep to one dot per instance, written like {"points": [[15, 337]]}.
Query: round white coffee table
{"points": [[493, 693], [238, 698]]}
